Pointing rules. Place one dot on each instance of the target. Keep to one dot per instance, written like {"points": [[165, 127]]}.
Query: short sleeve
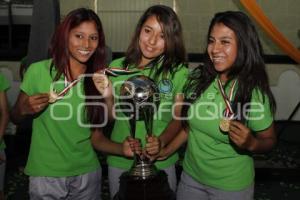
{"points": [[260, 116], [4, 84], [30, 80], [180, 78]]}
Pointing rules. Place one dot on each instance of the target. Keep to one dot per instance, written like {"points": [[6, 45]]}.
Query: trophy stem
{"points": [[132, 124], [148, 119]]}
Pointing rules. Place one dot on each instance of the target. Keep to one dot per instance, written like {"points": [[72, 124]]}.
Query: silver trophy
{"points": [[139, 101]]}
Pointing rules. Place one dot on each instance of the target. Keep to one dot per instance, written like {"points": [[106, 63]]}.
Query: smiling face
{"points": [[151, 40], [83, 41], [222, 49]]}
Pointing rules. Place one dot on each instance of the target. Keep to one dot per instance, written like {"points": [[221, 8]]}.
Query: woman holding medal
{"points": [[230, 114], [156, 50], [60, 94]]}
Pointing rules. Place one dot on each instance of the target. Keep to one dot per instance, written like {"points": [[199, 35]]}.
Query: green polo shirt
{"points": [[211, 158], [4, 85], [60, 143], [169, 86]]}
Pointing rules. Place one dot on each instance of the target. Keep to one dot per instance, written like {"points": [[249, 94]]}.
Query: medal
{"points": [[228, 113], [101, 82], [54, 96], [224, 124]]}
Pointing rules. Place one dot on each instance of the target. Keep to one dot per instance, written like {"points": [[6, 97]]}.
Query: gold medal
{"points": [[228, 112], [101, 82], [224, 124], [53, 96]]}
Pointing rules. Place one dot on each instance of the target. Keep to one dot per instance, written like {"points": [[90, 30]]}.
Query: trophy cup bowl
{"points": [[139, 101]]}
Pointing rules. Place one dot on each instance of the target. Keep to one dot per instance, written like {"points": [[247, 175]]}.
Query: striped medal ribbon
{"points": [[54, 96], [228, 113]]}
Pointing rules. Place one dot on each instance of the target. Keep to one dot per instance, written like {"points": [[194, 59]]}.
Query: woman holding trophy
{"points": [[230, 111], [156, 51]]}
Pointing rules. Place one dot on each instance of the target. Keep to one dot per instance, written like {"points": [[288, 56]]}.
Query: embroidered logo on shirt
{"points": [[165, 86]]}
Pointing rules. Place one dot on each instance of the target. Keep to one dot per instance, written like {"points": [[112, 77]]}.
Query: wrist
{"points": [[253, 145], [162, 143]]}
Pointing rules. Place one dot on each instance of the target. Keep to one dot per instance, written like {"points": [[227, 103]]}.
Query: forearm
{"points": [[174, 126], [110, 108], [180, 139], [27, 106], [262, 145], [3, 124], [18, 113], [15, 116], [264, 141], [170, 132], [102, 143], [4, 115]]}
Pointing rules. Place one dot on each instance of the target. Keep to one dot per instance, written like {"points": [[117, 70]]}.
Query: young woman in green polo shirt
{"points": [[60, 94], [156, 50], [230, 110]]}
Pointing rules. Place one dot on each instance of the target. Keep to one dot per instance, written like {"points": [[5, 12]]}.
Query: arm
{"points": [[180, 139], [101, 143], [28, 105], [109, 100], [174, 126], [4, 114], [155, 144], [241, 135], [104, 87]]}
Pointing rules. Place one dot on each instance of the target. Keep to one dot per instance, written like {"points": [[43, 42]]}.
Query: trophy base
{"points": [[143, 170], [154, 188]]}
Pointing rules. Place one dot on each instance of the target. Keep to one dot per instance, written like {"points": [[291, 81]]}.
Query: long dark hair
{"points": [[60, 56], [174, 53], [248, 68]]}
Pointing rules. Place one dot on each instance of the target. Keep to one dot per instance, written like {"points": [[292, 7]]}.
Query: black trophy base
{"points": [[154, 188]]}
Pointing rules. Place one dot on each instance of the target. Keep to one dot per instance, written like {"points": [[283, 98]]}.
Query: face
{"points": [[83, 41], [222, 48], [151, 40]]}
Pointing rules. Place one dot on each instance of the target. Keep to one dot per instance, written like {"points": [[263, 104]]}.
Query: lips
{"points": [[150, 49], [217, 60], [84, 52]]}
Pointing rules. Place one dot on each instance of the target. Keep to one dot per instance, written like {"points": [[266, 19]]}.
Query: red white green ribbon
{"points": [[228, 111], [118, 71], [121, 71], [67, 88]]}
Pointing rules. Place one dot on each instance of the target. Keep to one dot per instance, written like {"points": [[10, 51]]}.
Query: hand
{"points": [[241, 135], [102, 84], [152, 147], [131, 146], [35, 103]]}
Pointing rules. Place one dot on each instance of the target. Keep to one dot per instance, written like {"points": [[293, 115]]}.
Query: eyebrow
{"points": [[224, 37], [85, 33], [147, 26]]}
